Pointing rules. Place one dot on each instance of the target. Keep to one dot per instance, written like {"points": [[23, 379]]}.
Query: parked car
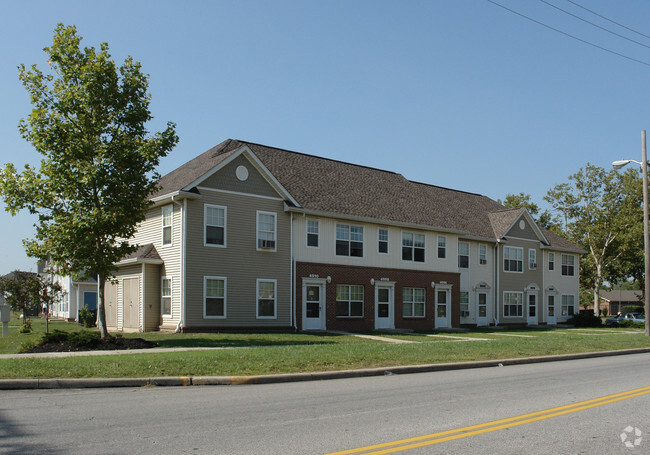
{"points": [[615, 321]]}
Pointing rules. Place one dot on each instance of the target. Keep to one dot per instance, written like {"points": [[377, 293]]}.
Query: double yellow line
{"points": [[459, 433]]}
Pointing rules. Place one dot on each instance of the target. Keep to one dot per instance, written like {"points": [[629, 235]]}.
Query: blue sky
{"points": [[461, 94]]}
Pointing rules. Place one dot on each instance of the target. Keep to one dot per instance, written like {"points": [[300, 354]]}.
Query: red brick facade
{"points": [[354, 275]]}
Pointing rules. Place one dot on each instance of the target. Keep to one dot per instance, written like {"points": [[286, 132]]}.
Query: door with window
{"points": [[481, 309], [550, 310], [532, 310], [313, 306], [384, 307], [443, 309]]}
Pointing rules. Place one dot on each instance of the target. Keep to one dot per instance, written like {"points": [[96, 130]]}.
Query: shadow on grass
{"points": [[242, 339]]}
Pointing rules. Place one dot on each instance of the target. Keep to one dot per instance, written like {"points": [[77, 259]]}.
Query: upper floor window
{"points": [[413, 302], [167, 221], [568, 265], [349, 300], [532, 259], [349, 240], [551, 261], [215, 225], [412, 247], [266, 231], [312, 233], [382, 246], [266, 298], [463, 255], [482, 254], [513, 259], [442, 246], [166, 296]]}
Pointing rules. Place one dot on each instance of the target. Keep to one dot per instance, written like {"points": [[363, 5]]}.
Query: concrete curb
{"points": [[80, 383]]}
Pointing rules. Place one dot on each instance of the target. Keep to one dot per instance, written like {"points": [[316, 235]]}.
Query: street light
{"points": [[646, 240]]}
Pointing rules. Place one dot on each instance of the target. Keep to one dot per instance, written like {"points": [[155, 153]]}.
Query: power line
{"points": [[595, 25], [569, 35], [607, 19]]}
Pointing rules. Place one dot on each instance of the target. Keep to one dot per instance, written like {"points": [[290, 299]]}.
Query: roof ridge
{"points": [[450, 189]]}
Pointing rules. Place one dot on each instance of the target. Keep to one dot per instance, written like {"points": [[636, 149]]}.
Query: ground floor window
{"points": [[166, 296], [349, 300], [413, 302], [567, 305], [266, 298], [464, 303], [513, 304], [214, 300]]}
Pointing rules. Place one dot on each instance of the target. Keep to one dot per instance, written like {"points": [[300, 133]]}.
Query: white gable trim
{"points": [[255, 161], [532, 223]]}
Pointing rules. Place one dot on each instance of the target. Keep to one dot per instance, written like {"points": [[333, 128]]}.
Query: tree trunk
{"points": [[101, 313], [597, 290]]}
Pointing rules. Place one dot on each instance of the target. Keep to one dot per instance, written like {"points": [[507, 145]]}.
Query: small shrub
{"points": [[56, 336], [87, 317], [635, 325], [604, 312], [585, 319], [84, 338], [26, 328], [26, 346]]}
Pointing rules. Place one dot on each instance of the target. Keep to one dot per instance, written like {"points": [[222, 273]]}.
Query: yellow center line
{"points": [[449, 435]]}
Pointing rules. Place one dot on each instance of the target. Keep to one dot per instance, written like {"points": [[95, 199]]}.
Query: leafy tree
{"points": [[26, 291], [591, 203], [98, 166], [544, 219]]}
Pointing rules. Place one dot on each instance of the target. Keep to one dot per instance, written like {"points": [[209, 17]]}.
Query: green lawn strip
{"points": [[346, 354], [13, 343]]}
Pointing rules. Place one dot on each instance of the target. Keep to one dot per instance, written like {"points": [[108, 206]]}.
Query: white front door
{"points": [[384, 308], [481, 309], [443, 316], [313, 306], [532, 310], [550, 310]]}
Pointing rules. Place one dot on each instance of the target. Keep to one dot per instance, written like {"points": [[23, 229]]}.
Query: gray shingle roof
{"points": [[147, 251], [330, 186]]}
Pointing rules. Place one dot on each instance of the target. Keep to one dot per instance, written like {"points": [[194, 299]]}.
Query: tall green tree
{"points": [[591, 203], [26, 291], [99, 161]]}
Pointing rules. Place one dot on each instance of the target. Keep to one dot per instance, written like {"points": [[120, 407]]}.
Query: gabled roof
{"points": [[324, 186], [144, 254]]}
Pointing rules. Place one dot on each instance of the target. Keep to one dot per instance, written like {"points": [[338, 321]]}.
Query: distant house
{"points": [[246, 236], [75, 294], [615, 300]]}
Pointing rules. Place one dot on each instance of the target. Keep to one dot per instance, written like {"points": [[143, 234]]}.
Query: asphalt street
{"points": [[320, 417]]}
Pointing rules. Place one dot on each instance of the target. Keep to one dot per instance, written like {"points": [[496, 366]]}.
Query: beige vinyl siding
{"points": [[473, 275], [126, 272], [151, 286], [517, 282], [240, 262], [226, 179]]}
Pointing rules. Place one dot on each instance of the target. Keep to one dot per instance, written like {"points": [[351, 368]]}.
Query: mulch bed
{"points": [[108, 344]]}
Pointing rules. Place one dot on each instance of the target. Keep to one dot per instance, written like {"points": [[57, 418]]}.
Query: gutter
{"points": [[495, 315]]}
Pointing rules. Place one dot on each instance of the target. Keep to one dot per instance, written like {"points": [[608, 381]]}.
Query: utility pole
{"points": [[646, 233]]}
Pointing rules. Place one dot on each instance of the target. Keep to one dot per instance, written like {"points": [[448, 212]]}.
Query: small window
{"points": [[413, 302], [513, 259], [266, 299], [463, 255], [214, 300], [442, 247], [551, 261], [266, 230], [166, 297], [312, 233], [412, 247], [382, 246], [349, 300], [568, 308], [349, 240], [215, 225], [482, 254], [167, 221], [532, 259], [464, 304], [568, 265]]}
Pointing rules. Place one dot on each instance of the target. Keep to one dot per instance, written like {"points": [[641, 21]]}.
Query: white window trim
{"points": [[438, 247], [363, 242], [503, 265], [171, 296], [387, 240], [484, 246], [257, 298], [413, 302], [551, 261], [412, 260], [225, 225], [349, 301], [573, 265], [307, 233], [461, 303], [163, 226], [257, 230], [532, 261], [522, 304], [225, 296], [562, 306], [469, 258]]}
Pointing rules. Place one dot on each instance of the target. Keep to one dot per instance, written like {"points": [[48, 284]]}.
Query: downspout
{"points": [[495, 315], [292, 275], [144, 307], [181, 321]]}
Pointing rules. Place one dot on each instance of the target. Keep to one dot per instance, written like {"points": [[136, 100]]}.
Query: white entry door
{"points": [[550, 310], [532, 310], [313, 306], [481, 309], [443, 310], [384, 307]]}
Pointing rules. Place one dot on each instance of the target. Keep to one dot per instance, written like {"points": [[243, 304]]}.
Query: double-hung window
{"points": [[413, 302], [464, 303], [463, 255], [214, 297], [551, 261], [382, 246], [166, 296], [482, 254], [568, 265], [266, 299], [513, 304], [215, 225], [266, 231], [513, 259], [312, 233], [532, 259], [442, 247], [349, 240], [349, 300], [412, 247], [567, 305], [167, 222]]}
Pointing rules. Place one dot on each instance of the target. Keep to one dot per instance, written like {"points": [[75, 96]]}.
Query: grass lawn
{"points": [[268, 353]]}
